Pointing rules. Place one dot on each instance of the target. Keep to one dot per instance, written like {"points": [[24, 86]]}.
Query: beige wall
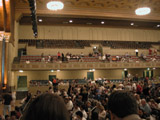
{"points": [[70, 74], [89, 33], [78, 74]]}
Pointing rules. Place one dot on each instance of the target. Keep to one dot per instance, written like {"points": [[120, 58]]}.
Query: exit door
{"points": [[90, 75]]}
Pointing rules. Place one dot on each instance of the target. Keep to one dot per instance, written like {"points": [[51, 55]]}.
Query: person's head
{"points": [[47, 107], [143, 102], [13, 115], [121, 104], [79, 115], [7, 117]]}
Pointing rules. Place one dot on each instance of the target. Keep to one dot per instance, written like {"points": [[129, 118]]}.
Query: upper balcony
{"points": [[85, 62]]}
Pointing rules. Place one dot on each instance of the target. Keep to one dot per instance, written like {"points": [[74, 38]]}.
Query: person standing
{"points": [[59, 55], [62, 57], [136, 50], [7, 99]]}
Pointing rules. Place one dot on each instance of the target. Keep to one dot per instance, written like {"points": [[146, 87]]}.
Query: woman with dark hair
{"points": [[47, 107]]}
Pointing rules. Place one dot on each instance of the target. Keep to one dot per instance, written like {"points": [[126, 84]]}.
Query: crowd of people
{"points": [[93, 101], [61, 57]]}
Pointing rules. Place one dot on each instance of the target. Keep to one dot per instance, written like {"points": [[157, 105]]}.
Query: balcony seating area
{"points": [[87, 43], [36, 58]]}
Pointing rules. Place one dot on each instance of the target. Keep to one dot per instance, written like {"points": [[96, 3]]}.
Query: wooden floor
{"points": [[17, 103]]}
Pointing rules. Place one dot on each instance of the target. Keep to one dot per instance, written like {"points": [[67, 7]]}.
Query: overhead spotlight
{"points": [[148, 68], [125, 69], [58, 70], [102, 22], [154, 68], [132, 24], [70, 21], [52, 70], [93, 69], [142, 11], [32, 4]]}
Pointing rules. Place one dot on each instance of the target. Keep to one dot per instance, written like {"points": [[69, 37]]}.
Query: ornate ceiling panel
{"points": [[97, 8]]}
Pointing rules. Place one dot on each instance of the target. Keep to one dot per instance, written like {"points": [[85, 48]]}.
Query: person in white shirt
{"points": [[102, 113], [75, 109], [69, 104], [83, 111], [136, 50]]}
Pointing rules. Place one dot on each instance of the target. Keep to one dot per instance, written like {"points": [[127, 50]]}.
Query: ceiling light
{"points": [[55, 5], [143, 11], [148, 68], [52, 70], [70, 21], [21, 71], [154, 68], [58, 70], [40, 20], [132, 24], [93, 69], [102, 22], [125, 69], [158, 25]]}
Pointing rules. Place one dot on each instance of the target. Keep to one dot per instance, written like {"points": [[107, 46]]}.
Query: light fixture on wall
{"points": [[21, 71], [55, 5], [52, 70], [143, 11]]}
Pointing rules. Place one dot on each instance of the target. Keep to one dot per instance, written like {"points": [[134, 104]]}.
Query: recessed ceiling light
{"points": [[154, 68], [70, 21], [125, 69], [132, 24], [55, 5], [158, 25], [102, 22], [40, 20], [143, 11], [58, 70], [52, 70]]}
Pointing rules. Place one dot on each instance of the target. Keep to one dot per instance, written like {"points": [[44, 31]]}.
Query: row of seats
{"points": [[87, 43], [34, 58]]}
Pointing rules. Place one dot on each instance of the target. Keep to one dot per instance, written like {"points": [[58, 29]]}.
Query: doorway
{"points": [[51, 77], [90, 75], [22, 83]]}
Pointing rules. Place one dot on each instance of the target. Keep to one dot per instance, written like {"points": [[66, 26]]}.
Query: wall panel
{"points": [[89, 33]]}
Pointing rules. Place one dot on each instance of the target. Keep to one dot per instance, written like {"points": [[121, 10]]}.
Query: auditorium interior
{"points": [[86, 41]]}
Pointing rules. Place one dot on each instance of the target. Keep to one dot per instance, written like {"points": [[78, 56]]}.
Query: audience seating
{"points": [[87, 43]]}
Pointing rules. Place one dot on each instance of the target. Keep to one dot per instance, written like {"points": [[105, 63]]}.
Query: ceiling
{"points": [[116, 13]]}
